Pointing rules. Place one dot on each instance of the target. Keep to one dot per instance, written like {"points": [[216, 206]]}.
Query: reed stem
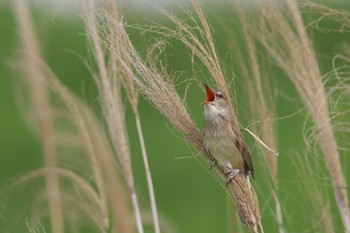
{"points": [[137, 212], [148, 173]]}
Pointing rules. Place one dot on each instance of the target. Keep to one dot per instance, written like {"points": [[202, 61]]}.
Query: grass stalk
{"points": [[94, 142], [326, 136], [148, 174], [322, 120], [41, 104], [127, 80], [112, 107], [290, 47], [137, 213], [111, 190], [258, 96]]}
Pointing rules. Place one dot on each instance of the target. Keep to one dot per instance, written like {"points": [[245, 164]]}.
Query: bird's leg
{"points": [[231, 174], [213, 162]]}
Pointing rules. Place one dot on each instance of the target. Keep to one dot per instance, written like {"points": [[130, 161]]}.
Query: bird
{"points": [[226, 147]]}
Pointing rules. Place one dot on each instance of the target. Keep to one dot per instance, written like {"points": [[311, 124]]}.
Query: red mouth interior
{"points": [[210, 94]]}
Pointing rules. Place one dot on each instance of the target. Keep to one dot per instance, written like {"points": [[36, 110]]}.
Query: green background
{"points": [[188, 196]]}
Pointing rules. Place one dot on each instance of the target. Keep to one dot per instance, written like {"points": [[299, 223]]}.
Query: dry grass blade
{"points": [[153, 83], [294, 54], [42, 107]]}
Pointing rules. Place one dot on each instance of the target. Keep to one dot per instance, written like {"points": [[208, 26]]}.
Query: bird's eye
{"points": [[220, 95]]}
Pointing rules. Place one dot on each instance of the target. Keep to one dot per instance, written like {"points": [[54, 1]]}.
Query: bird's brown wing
{"points": [[243, 148]]}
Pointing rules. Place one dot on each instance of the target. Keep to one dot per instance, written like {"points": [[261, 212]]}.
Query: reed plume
{"points": [[290, 47], [261, 103], [326, 13], [109, 189], [40, 100], [154, 83], [126, 80], [112, 107], [105, 169]]}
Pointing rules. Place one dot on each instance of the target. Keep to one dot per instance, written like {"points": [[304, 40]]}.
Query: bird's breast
{"points": [[222, 147]]}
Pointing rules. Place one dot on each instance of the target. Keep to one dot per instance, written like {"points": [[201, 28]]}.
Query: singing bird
{"points": [[226, 147]]}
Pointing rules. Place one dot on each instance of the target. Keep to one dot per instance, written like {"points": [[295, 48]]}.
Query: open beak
{"points": [[210, 95]]}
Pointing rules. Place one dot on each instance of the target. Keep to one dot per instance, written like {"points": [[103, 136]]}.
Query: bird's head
{"points": [[215, 103]]}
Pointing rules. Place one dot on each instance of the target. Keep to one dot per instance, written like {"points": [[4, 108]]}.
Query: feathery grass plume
{"points": [[110, 191], [319, 214], [40, 99], [127, 81], [290, 47], [200, 41], [102, 158], [261, 103], [112, 107], [152, 80], [259, 95]]}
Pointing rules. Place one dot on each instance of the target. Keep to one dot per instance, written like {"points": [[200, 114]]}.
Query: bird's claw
{"points": [[213, 162], [231, 174]]}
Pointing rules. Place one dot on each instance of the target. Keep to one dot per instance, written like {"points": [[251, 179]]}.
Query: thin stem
{"points": [[278, 212], [148, 173], [137, 212], [261, 142]]}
